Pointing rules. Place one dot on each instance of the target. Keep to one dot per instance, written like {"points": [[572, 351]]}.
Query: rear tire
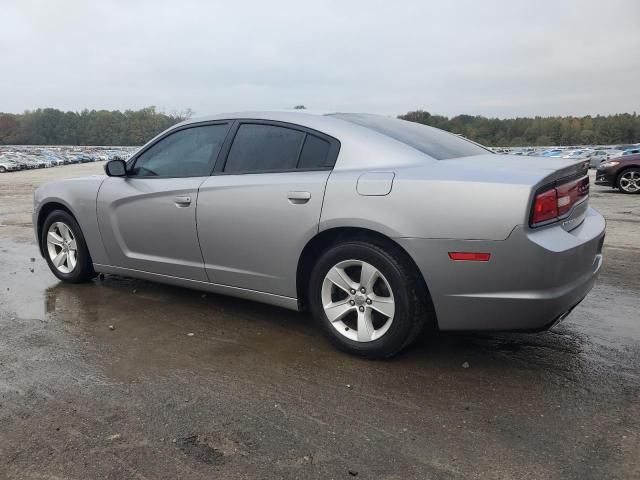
{"points": [[629, 181], [378, 308], [65, 248]]}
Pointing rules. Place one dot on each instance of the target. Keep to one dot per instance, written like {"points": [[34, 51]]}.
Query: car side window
{"points": [[264, 148], [191, 152], [315, 153]]}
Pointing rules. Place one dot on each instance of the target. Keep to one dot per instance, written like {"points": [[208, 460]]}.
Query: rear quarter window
{"points": [[315, 153], [431, 141]]}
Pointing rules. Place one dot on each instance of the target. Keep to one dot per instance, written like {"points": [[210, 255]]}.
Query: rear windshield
{"points": [[434, 142]]}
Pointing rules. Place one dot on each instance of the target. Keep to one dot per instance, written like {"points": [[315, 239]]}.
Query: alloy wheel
{"points": [[630, 181], [62, 247], [358, 300]]}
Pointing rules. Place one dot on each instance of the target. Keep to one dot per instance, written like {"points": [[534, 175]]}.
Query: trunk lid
{"points": [[524, 169]]}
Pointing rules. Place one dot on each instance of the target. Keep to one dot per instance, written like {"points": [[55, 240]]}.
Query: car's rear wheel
{"points": [[629, 180], [65, 248], [369, 300], [3, 169]]}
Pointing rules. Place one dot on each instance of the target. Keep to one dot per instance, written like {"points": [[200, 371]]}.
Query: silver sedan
{"points": [[380, 227]]}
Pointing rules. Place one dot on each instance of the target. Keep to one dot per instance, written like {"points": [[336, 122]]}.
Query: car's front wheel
{"points": [[368, 299], [65, 248], [629, 180]]}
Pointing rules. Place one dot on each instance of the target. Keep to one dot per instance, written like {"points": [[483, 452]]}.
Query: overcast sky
{"points": [[495, 58]]}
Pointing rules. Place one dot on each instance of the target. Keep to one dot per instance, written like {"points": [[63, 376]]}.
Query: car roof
{"points": [[357, 142], [261, 114], [319, 120]]}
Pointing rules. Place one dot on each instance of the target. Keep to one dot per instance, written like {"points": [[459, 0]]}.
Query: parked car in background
{"points": [[631, 151], [7, 165], [19, 160], [74, 157], [621, 172], [84, 158], [378, 225], [577, 154], [555, 153], [33, 156], [28, 162], [41, 160], [597, 157], [516, 151], [54, 159]]}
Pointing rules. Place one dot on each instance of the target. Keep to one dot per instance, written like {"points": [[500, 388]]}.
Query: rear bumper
{"points": [[532, 280]]}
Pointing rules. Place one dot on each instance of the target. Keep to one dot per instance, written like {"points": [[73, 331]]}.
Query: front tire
{"points": [[629, 181], [369, 300], [65, 248]]}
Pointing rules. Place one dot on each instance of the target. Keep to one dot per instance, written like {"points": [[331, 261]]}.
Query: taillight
{"points": [[571, 193], [557, 201], [545, 207]]}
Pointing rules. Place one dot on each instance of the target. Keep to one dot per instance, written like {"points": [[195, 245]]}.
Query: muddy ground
{"points": [[256, 391]]}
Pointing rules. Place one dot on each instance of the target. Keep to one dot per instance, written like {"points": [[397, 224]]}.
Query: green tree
{"points": [[613, 129], [88, 127], [134, 127]]}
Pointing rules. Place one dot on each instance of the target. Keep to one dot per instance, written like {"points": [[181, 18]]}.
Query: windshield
{"points": [[434, 142]]}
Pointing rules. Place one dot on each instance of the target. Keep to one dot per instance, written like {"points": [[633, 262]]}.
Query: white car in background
{"points": [[7, 165], [577, 154], [599, 156]]}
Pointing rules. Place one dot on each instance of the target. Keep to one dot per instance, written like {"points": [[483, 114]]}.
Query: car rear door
{"points": [[263, 204], [148, 218]]}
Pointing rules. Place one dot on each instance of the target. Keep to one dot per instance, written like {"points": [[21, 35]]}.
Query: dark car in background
{"points": [[620, 172], [83, 158]]}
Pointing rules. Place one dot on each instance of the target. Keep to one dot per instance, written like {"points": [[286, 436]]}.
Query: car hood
{"points": [[635, 158]]}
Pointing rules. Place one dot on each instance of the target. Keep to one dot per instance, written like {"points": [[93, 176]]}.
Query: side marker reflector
{"points": [[470, 256]]}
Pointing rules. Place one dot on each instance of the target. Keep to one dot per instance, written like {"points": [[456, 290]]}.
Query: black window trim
{"points": [[334, 147], [130, 164]]}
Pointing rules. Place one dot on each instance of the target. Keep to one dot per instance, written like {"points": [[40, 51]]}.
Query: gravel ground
{"points": [[256, 392]]}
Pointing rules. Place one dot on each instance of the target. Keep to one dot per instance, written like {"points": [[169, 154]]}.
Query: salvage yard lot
{"points": [[256, 393]]}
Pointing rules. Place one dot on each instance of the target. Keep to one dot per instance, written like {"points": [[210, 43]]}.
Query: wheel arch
{"points": [[44, 212], [327, 238]]}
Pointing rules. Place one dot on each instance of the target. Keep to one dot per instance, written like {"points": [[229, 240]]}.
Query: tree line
{"points": [[622, 128], [50, 126]]}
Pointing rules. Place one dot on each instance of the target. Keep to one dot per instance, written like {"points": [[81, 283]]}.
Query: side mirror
{"points": [[116, 168]]}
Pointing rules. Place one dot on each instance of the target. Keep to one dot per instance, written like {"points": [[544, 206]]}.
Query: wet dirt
{"points": [[257, 392]]}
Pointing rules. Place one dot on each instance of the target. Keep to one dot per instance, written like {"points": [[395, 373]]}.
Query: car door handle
{"points": [[182, 200], [297, 198]]}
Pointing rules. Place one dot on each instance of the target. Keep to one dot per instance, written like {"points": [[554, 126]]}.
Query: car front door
{"points": [[257, 212], [148, 218]]}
